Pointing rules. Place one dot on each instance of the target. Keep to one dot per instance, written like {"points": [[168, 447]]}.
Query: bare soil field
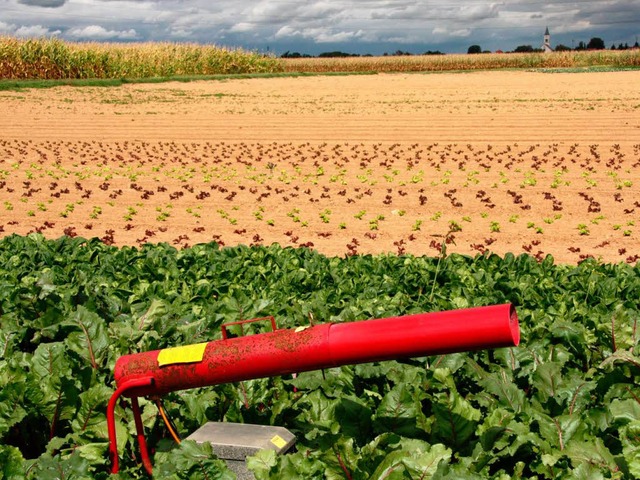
{"points": [[501, 161]]}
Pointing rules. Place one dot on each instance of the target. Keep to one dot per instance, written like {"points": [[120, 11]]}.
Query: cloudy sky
{"points": [[315, 26]]}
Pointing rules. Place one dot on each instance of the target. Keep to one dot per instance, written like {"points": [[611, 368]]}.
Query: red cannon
{"points": [[285, 351]]}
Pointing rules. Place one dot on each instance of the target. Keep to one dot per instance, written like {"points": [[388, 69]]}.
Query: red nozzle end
{"points": [[514, 326]]}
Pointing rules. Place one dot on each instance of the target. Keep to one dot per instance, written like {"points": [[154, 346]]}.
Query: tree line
{"points": [[596, 43], [339, 54]]}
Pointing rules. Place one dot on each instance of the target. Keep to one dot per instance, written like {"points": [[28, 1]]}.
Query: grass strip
{"points": [[20, 85]]}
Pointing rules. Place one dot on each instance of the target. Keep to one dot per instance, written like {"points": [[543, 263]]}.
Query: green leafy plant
{"points": [[529, 180], [561, 405], [583, 229], [68, 209], [162, 215], [96, 212], [195, 212], [360, 214], [294, 215], [131, 212], [325, 215], [454, 226]]}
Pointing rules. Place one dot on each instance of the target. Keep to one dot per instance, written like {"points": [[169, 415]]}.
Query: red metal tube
{"points": [[111, 421], [311, 348], [329, 345], [142, 442]]}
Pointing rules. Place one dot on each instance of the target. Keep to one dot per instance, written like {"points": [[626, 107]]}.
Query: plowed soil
{"points": [[492, 161]]}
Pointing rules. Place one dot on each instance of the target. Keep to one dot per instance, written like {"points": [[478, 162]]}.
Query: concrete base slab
{"points": [[234, 442]]}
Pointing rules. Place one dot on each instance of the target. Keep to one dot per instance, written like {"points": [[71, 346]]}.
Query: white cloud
{"points": [[478, 12], [180, 33], [32, 31], [271, 11], [337, 37], [579, 26], [243, 27], [7, 28], [27, 31], [97, 32], [287, 32], [319, 35], [443, 32]]}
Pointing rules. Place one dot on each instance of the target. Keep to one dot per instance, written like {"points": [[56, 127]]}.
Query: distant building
{"points": [[546, 44]]}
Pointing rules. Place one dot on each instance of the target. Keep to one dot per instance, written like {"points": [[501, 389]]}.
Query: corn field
{"points": [[52, 58], [56, 59], [486, 61]]}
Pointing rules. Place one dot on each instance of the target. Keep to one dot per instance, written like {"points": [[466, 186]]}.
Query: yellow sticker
{"points": [[278, 441], [185, 354]]}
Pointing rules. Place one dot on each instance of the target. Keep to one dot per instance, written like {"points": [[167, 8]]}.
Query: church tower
{"points": [[546, 45]]}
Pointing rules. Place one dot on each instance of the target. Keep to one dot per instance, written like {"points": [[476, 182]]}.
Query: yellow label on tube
{"points": [[278, 441], [186, 354]]}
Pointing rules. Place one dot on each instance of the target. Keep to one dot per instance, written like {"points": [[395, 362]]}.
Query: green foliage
{"points": [[191, 461], [596, 43], [565, 404], [11, 461]]}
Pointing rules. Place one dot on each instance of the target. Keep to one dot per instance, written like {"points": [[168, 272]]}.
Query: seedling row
{"points": [[572, 201]]}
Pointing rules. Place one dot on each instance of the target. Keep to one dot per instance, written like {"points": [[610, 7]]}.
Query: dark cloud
{"points": [[44, 3]]}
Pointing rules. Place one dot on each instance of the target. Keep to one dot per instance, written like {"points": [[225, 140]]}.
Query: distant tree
{"points": [[289, 54], [596, 43], [636, 45], [613, 46], [474, 49], [562, 48], [432, 52], [581, 46], [336, 54], [524, 49]]}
